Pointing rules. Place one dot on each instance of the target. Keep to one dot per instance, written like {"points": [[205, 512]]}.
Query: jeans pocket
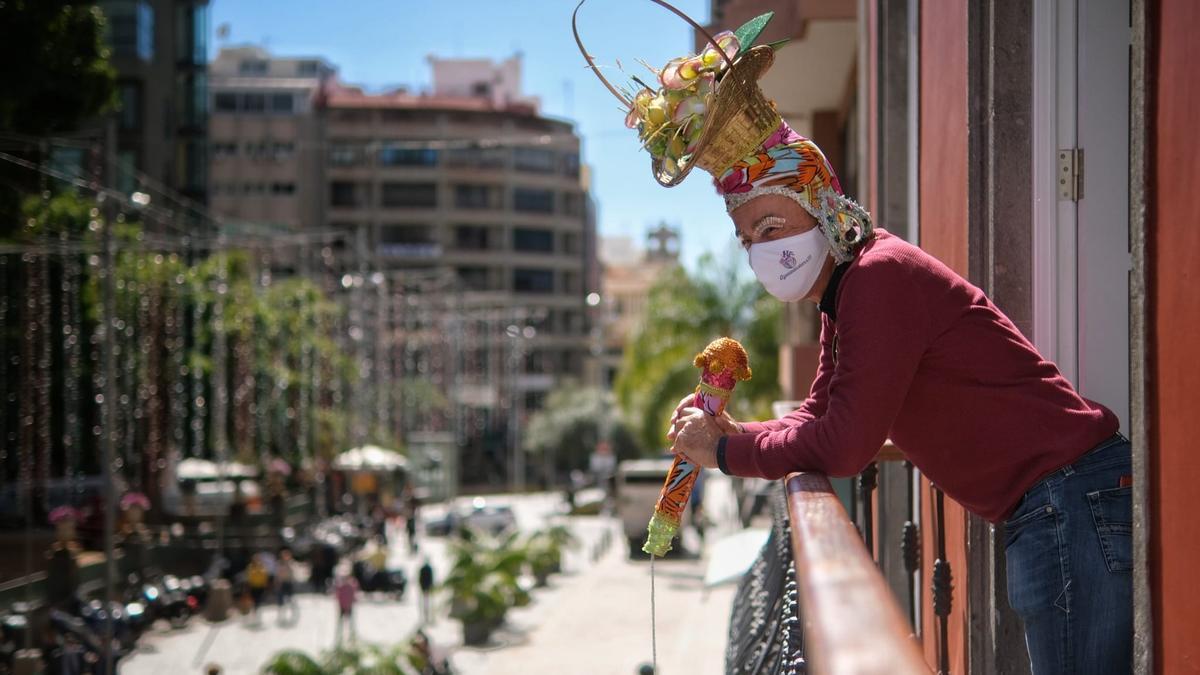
{"points": [[1112, 512], [1033, 551]]}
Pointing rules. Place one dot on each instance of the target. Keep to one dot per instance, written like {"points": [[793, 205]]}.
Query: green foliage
{"points": [[684, 312], [484, 578], [354, 659], [57, 72], [546, 549], [573, 421]]}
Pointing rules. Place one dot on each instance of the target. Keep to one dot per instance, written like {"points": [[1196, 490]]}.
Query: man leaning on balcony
{"points": [[913, 352], [909, 351]]}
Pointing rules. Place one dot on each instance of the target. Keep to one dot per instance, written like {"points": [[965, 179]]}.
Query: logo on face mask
{"points": [[788, 260]]}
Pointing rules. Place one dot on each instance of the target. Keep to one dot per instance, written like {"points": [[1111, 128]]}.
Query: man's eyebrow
{"points": [[766, 221]]}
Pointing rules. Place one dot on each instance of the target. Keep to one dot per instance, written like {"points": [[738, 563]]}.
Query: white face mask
{"points": [[789, 267]]}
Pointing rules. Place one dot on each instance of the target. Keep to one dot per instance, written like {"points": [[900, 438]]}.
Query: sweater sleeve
{"points": [[818, 395], [881, 332]]}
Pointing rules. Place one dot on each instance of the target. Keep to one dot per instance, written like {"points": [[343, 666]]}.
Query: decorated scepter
{"points": [[722, 364]]}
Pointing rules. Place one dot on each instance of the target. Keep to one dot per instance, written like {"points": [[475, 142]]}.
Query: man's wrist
{"points": [[721, 464]]}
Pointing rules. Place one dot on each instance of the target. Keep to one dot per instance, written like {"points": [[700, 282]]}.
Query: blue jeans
{"points": [[1069, 547]]}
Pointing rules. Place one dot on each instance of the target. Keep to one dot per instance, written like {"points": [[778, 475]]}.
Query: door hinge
{"points": [[1070, 174]]}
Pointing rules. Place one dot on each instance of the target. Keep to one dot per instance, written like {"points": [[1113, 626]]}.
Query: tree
{"points": [[684, 312], [56, 69], [56, 75], [573, 422]]}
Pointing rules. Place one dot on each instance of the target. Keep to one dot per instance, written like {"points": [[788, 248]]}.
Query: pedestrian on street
{"points": [[913, 352], [425, 580], [285, 586], [412, 506], [345, 591], [258, 578]]}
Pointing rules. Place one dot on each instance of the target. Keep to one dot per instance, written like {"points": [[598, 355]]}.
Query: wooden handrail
{"points": [[851, 621]]}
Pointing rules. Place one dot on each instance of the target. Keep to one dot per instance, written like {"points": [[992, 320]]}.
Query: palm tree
{"points": [[684, 312]]}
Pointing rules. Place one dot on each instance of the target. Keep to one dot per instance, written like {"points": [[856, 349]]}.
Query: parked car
{"points": [[491, 518]]}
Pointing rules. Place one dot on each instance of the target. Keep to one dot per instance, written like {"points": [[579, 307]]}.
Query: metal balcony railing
{"points": [[851, 621]]}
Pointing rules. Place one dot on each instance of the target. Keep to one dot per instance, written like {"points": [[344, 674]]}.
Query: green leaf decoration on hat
{"points": [[750, 30]]}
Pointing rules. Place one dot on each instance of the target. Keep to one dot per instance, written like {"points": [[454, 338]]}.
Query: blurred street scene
{"points": [[345, 336]]}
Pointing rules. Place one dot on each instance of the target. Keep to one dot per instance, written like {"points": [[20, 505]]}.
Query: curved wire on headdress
{"points": [[596, 69]]}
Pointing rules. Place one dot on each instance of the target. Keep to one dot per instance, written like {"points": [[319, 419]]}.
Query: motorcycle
{"points": [[374, 580]]}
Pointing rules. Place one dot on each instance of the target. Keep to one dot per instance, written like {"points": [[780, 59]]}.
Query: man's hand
{"points": [[728, 424], [695, 435]]}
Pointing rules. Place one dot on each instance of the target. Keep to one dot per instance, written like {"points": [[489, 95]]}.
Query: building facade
{"points": [[1039, 149], [460, 217], [265, 146], [159, 49]]}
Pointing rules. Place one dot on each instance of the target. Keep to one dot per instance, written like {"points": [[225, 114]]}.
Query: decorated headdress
{"points": [[709, 111]]}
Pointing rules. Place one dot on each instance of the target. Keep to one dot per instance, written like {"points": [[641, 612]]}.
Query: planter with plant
{"points": [[484, 582]]}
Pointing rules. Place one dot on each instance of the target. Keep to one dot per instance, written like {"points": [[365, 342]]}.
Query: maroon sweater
{"points": [[919, 355]]}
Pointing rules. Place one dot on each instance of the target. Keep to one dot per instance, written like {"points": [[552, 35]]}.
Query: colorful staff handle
{"points": [[722, 364]]}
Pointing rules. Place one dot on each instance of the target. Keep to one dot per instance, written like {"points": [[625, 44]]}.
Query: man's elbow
{"points": [[851, 458]]}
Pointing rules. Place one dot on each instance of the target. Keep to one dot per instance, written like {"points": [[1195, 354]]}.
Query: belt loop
{"points": [[1067, 470]]}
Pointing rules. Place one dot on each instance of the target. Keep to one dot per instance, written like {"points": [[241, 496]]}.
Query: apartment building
{"points": [[159, 49], [266, 154]]}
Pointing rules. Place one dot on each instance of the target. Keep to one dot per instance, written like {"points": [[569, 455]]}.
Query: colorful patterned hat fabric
{"points": [[791, 165]]}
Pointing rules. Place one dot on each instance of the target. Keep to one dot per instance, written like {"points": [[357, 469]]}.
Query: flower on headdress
{"points": [[670, 76], [728, 43]]}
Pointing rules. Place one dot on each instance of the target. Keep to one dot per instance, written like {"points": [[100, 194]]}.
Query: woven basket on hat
{"points": [[738, 119]]}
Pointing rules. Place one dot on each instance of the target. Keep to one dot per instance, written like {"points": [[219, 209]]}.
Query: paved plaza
{"points": [[593, 618]]}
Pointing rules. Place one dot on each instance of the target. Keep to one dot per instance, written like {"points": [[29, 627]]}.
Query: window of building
{"points": [[192, 93], [127, 169], [471, 237], [537, 160], [351, 115], [409, 195], [283, 150], [130, 116], [533, 281], [346, 154], [283, 188], [253, 67], [129, 28], [571, 243], [571, 164], [475, 196], [410, 241], [282, 104], [401, 156], [225, 102], [413, 116], [533, 200], [534, 401], [406, 234], [474, 278], [572, 203], [348, 194], [191, 34], [192, 160], [477, 158], [533, 240], [254, 103], [307, 68], [571, 282]]}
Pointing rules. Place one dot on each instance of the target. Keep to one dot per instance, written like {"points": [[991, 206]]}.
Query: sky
{"points": [[384, 43]]}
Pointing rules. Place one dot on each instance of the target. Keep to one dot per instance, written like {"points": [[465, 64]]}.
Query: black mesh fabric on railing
{"points": [[765, 633]]}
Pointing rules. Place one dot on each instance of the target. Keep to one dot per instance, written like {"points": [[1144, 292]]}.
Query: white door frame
{"points": [[1055, 253]]}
